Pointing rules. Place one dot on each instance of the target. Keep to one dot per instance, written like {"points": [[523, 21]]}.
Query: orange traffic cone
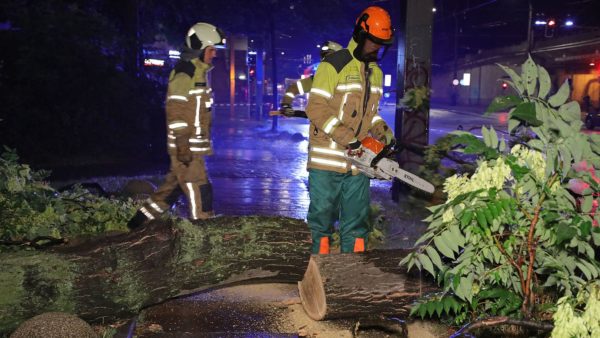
{"points": [[324, 246], [359, 245]]}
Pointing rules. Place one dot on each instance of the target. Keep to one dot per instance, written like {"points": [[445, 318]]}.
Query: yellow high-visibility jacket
{"points": [[188, 107], [342, 108]]}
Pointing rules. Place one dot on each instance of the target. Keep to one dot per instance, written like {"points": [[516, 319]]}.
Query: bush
{"points": [[512, 238]]}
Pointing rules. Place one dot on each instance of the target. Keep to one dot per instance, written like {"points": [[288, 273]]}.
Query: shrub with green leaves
{"points": [[32, 213], [578, 316], [512, 237]]}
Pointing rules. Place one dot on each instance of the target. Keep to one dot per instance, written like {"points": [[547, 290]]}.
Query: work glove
{"points": [[354, 147], [286, 110], [184, 154]]}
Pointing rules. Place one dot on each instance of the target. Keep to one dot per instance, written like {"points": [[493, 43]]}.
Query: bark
{"points": [[113, 277], [360, 285]]}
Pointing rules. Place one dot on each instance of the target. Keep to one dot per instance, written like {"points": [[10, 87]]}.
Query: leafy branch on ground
{"points": [[33, 214]]}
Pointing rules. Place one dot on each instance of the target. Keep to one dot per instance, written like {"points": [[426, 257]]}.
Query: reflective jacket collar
{"points": [[201, 65], [351, 47]]}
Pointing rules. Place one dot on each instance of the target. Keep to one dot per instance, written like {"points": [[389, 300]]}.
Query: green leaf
{"points": [[586, 205], [551, 155], [529, 74], [526, 112], [449, 241], [443, 247], [570, 111], [457, 235], [486, 136], [566, 158], [575, 147], [516, 82], [564, 232], [586, 271], [585, 228], [472, 143], [561, 96], [493, 138], [435, 257], [501, 103], [426, 263], [512, 124], [545, 82], [537, 144], [465, 288]]}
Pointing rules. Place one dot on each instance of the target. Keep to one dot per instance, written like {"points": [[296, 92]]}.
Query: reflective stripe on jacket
{"points": [[342, 107], [188, 107]]}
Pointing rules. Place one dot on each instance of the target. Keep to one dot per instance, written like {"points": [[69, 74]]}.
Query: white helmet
{"points": [[329, 47], [202, 35]]}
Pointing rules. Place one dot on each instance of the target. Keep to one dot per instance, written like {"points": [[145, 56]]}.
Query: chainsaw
{"points": [[370, 159]]}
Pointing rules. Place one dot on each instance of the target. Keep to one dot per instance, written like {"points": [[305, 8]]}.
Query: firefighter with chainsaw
{"points": [[343, 110], [304, 85], [188, 110]]}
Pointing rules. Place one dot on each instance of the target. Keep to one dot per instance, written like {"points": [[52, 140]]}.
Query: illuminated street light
{"points": [[551, 23], [569, 23], [434, 9], [540, 22]]}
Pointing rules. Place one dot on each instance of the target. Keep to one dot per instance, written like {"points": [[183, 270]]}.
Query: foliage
{"points": [[578, 317], [440, 161], [512, 233], [417, 98], [32, 213]]}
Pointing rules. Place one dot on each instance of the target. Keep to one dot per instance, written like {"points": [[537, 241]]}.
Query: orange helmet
{"points": [[375, 22]]}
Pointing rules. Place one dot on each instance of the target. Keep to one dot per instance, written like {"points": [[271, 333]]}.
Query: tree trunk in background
{"points": [[359, 285], [113, 277]]}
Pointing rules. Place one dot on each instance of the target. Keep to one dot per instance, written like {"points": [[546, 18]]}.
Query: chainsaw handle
{"points": [[383, 153]]}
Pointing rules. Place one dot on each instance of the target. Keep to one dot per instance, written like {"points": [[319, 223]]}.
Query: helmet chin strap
{"points": [[359, 50]]}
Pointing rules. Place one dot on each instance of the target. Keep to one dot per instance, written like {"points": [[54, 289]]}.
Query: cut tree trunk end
{"points": [[110, 278], [359, 285]]}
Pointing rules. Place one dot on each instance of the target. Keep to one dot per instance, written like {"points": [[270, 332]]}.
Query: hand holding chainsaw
{"points": [[370, 157]]}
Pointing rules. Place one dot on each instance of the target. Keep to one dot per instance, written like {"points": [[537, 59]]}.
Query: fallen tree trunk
{"points": [[359, 285], [113, 277]]}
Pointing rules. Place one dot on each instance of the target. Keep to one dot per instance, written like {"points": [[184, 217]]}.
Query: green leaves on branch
{"points": [[501, 103], [525, 112], [32, 210], [520, 211]]}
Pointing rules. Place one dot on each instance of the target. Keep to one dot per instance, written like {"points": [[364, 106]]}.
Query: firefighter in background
{"points": [[304, 85], [188, 110], [343, 109]]}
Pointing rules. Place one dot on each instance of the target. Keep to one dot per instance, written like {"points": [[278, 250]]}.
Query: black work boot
{"points": [[137, 220]]}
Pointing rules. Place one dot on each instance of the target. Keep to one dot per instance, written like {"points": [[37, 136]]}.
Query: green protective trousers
{"points": [[335, 196]]}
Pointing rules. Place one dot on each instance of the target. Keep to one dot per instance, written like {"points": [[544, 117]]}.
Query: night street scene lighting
{"points": [[240, 106]]}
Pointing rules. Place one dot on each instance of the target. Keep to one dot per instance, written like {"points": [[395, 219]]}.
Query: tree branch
{"points": [[496, 321]]}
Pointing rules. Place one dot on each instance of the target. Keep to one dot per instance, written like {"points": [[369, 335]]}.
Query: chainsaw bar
{"points": [[391, 168]]}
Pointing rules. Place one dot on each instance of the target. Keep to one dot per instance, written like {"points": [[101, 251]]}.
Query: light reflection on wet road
{"points": [[258, 171]]}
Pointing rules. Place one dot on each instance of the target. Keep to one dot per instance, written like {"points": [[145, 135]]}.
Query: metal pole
{"points": [[274, 71], [260, 78]]}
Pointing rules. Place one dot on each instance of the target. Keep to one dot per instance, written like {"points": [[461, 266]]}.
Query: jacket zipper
{"points": [[366, 97]]}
